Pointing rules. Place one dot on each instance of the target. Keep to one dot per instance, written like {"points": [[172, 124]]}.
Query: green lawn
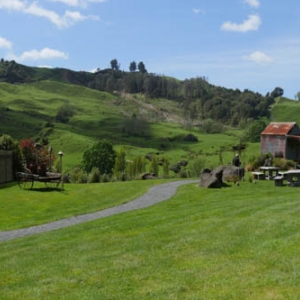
{"points": [[25, 208], [240, 242]]}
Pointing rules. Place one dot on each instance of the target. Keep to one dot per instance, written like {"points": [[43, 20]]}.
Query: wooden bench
{"points": [[258, 175], [278, 180]]}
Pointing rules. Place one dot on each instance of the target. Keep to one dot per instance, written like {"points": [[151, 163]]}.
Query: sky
{"points": [[238, 44]]}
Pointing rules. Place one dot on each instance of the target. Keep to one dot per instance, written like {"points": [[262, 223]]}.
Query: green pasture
{"points": [[286, 110], [29, 110], [238, 242]]}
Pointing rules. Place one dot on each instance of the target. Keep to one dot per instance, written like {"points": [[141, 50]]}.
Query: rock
{"points": [[233, 173], [190, 138], [211, 179], [148, 176]]}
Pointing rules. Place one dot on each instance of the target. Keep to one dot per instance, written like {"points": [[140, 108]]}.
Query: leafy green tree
{"points": [[166, 165], [136, 167], [132, 67], [252, 133], [120, 164], [100, 155], [277, 92], [115, 65], [154, 166], [141, 67]]}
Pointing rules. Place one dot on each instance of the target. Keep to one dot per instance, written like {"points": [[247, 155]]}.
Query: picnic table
{"points": [[270, 172], [292, 177]]}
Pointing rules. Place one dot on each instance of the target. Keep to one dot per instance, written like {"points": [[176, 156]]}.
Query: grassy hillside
{"points": [[29, 110], [286, 110], [141, 124]]}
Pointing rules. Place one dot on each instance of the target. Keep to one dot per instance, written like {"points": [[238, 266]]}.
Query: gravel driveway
{"points": [[155, 195]]}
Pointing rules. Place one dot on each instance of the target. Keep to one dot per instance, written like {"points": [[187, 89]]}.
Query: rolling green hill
{"points": [[43, 104], [30, 110]]}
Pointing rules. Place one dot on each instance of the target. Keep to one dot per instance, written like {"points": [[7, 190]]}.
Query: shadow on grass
{"points": [[46, 189], [7, 185]]}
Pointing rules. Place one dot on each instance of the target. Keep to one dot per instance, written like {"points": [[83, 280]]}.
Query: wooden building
{"points": [[282, 139]]}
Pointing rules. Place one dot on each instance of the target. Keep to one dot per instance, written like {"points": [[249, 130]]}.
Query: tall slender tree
{"points": [[132, 67], [141, 67], [114, 64]]}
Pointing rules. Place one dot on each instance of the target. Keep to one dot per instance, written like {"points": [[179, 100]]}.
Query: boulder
{"points": [[233, 173], [148, 176], [190, 138], [211, 179]]}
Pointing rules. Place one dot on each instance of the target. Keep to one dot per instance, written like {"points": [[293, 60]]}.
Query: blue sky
{"points": [[244, 44]]}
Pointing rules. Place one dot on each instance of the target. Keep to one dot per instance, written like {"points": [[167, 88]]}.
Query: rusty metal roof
{"points": [[279, 128]]}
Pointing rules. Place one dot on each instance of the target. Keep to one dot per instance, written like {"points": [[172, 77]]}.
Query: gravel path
{"points": [[155, 195]]}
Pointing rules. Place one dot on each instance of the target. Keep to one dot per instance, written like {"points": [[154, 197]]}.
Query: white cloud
{"points": [[79, 3], [33, 55], [68, 19], [259, 57], [5, 43], [198, 11], [253, 3], [252, 23], [12, 4]]}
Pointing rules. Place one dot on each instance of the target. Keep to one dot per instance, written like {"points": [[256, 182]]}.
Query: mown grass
{"points": [[25, 208], [240, 242]]}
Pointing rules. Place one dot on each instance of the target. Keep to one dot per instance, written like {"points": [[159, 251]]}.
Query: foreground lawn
{"points": [[231, 243], [25, 208]]}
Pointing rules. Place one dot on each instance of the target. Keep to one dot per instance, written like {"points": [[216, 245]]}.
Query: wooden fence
{"points": [[6, 166]]}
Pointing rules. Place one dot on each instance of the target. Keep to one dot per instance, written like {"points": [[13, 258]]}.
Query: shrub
{"points": [[283, 163], [64, 113], [255, 162], [94, 176], [183, 173], [105, 178], [77, 175], [196, 166]]}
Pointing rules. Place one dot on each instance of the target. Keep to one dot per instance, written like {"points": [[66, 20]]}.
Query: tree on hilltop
{"points": [[115, 65], [132, 67], [141, 67]]}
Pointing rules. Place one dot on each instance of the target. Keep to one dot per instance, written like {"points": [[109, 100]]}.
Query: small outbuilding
{"points": [[281, 139]]}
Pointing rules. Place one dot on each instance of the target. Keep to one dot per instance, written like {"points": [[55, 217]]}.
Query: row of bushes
{"points": [[79, 175]]}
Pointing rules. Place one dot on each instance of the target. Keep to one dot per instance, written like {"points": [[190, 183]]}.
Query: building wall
{"points": [[273, 144], [293, 150], [6, 166]]}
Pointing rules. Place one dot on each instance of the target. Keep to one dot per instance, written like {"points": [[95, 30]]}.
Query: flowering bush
{"points": [[36, 158]]}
